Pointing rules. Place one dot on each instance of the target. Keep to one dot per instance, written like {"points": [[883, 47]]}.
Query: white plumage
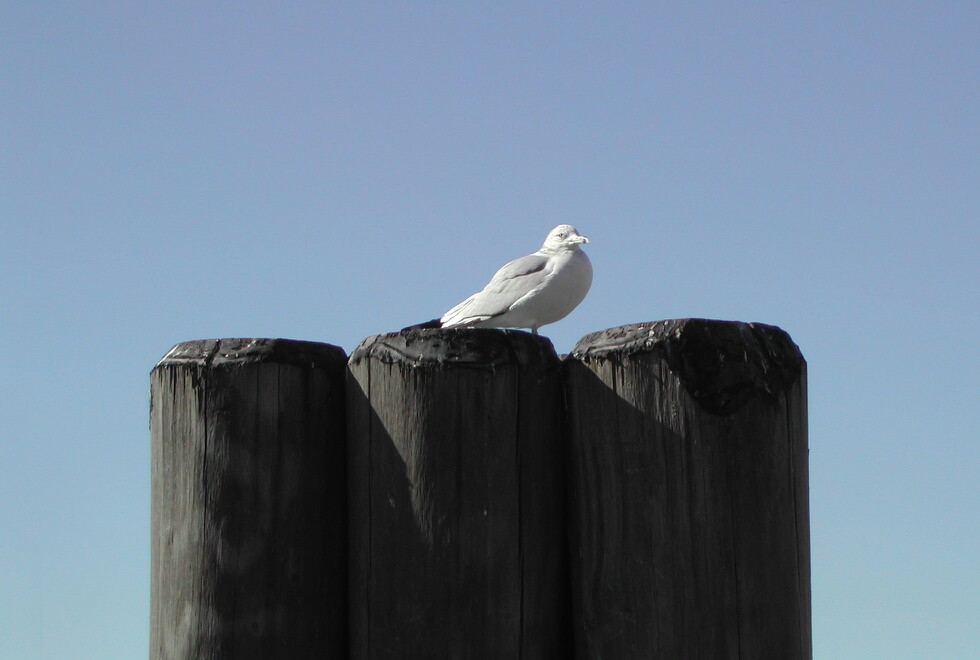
{"points": [[531, 291]]}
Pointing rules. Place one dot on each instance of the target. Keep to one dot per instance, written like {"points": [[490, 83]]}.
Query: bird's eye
{"points": [[561, 234]]}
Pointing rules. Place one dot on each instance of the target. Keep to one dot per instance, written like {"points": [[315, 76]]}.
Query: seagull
{"points": [[528, 292]]}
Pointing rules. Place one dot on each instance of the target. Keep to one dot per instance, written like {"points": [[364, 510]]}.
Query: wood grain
{"points": [[457, 497], [688, 492], [248, 500]]}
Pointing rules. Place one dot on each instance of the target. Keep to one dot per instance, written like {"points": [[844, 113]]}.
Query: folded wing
{"points": [[511, 283]]}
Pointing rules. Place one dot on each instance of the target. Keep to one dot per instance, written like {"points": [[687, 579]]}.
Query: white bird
{"points": [[528, 292]]}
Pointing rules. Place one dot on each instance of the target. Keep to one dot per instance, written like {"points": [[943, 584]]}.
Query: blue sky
{"points": [[172, 171]]}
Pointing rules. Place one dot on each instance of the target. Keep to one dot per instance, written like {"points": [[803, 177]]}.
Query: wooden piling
{"points": [[688, 492], [456, 497], [248, 501]]}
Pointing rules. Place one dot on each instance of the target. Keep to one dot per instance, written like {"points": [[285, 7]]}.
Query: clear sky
{"points": [[173, 171]]}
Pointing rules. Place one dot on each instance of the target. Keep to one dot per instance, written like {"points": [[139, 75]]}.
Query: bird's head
{"points": [[563, 237]]}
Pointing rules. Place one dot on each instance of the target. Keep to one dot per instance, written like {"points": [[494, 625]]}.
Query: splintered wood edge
{"points": [[208, 352], [722, 364], [467, 347]]}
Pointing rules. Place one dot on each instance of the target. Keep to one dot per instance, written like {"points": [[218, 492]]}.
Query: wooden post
{"points": [[688, 483], [248, 500], [457, 497]]}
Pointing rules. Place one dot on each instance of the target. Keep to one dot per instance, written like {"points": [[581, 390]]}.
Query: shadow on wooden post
{"points": [[457, 497], [248, 501], [688, 483]]}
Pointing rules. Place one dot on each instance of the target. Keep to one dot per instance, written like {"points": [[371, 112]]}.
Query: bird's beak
{"points": [[581, 239]]}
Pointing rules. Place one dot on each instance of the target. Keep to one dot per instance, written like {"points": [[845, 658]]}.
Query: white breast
{"points": [[558, 296]]}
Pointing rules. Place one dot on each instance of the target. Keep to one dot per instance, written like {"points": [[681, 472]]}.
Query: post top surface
{"points": [[208, 352], [722, 364], [642, 337], [471, 347]]}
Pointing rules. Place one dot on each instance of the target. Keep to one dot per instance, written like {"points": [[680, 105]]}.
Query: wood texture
{"points": [[248, 500], [688, 492], [457, 497]]}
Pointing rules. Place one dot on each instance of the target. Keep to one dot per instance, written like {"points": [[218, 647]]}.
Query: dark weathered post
{"points": [[457, 497], [688, 482], [248, 500]]}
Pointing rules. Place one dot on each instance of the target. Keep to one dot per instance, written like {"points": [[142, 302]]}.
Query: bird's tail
{"points": [[434, 323]]}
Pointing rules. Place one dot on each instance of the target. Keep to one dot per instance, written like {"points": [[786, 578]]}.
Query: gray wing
{"points": [[511, 283]]}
